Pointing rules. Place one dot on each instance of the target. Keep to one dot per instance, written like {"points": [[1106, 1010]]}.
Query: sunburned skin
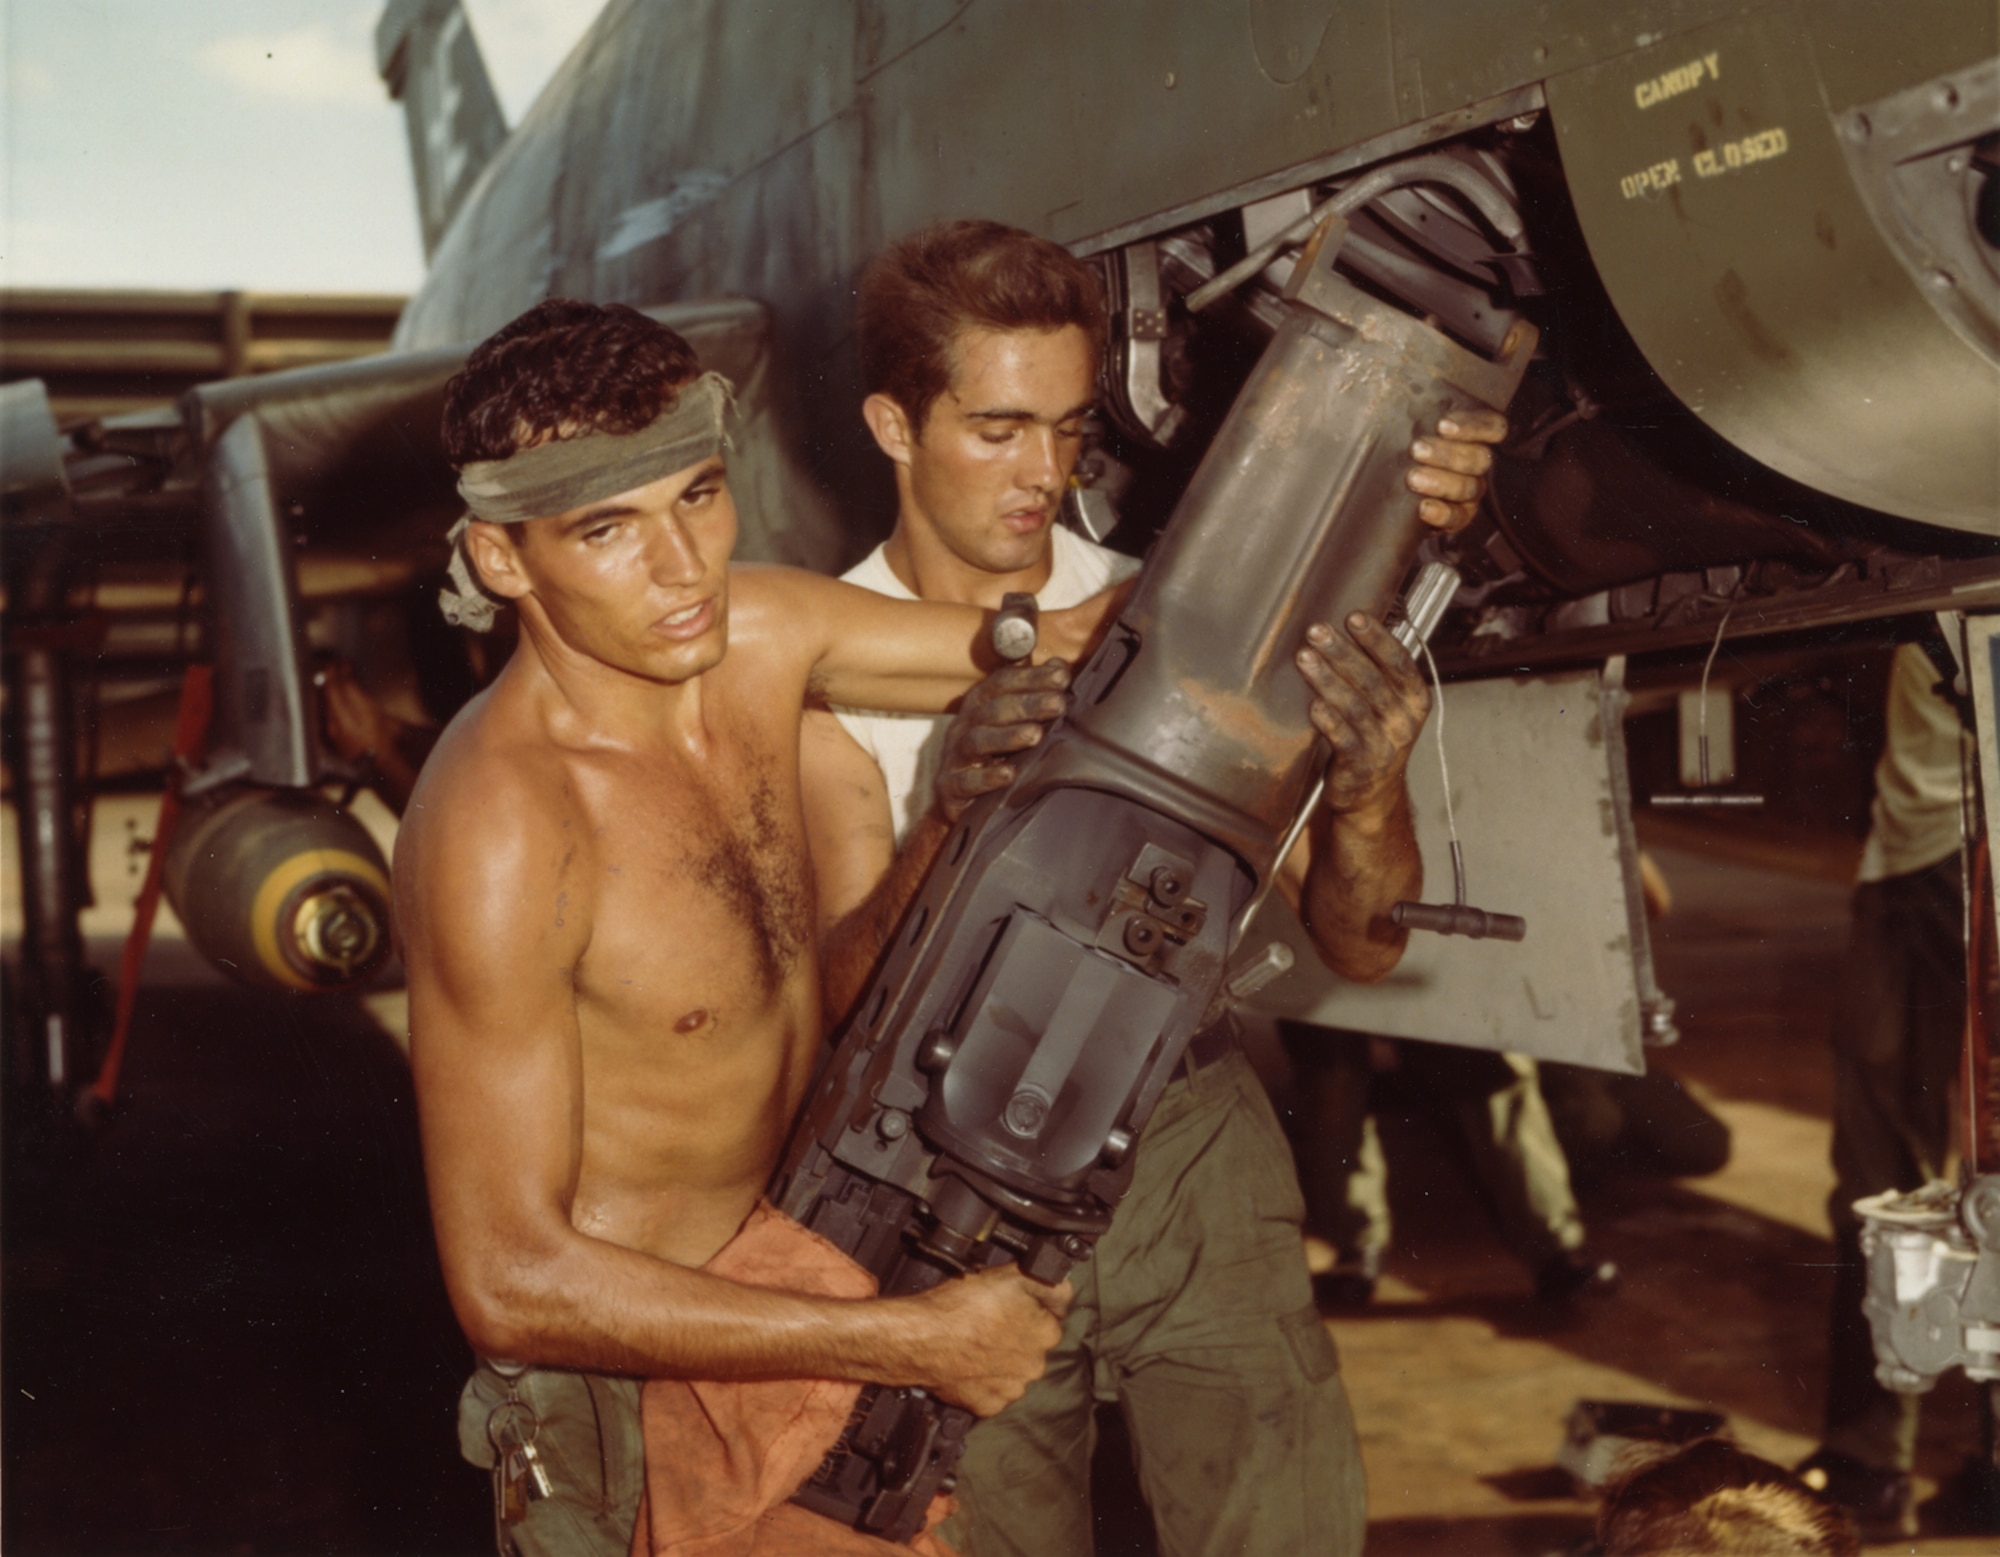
{"points": [[608, 916], [713, 906], [683, 887]]}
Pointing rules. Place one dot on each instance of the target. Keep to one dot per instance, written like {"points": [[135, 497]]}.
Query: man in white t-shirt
{"points": [[980, 346]]}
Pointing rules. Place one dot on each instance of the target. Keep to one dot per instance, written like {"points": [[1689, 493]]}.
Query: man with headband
{"points": [[607, 914]]}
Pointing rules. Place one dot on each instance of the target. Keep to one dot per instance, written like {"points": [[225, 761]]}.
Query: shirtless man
{"points": [[980, 346], [607, 916]]}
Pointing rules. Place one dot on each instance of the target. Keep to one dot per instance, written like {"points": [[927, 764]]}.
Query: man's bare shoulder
{"points": [[489, 810], [483, 756], [781, 620], [770, 592]]}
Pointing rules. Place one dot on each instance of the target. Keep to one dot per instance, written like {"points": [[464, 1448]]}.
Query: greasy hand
{"points": [[1005, 713], [1370, 702], [1449, 469], [996, 1327], [356, 725]]}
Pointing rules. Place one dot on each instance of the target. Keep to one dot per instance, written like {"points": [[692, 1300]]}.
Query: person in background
{"points": [[1898, 1034], [1491, 1104]]}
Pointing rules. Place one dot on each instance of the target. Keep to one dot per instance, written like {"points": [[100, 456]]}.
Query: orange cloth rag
{"points": [[722, 1459]]}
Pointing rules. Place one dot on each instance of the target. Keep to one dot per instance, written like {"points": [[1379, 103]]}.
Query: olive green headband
{"points": [[567, 473]]}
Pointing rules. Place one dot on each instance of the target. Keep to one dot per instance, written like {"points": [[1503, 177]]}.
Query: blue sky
{"points": [[225, 143]]}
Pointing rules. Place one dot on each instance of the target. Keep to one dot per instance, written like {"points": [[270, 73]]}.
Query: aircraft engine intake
{"points": [[1071, 943], [280, 887]]}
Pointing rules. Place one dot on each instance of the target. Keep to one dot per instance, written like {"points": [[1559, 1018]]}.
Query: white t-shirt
{"points": [[908, 747], [1914, 821]]}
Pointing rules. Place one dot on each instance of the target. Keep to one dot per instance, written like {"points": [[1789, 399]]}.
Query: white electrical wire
{"points": [[1444, 768], [1319, 788], [1312, 804]]}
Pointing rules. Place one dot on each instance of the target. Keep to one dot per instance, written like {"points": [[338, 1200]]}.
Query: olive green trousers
{"points": [[587, 1434], [1195, 1316]]}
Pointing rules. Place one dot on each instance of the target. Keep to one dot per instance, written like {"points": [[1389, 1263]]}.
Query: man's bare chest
{"points": [[703, 893]]}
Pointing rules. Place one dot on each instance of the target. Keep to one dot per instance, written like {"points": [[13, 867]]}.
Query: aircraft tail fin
{"points": [[431, 62]]}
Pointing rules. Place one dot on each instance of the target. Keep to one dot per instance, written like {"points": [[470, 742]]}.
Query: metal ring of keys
{"points": [[519, 1476]]}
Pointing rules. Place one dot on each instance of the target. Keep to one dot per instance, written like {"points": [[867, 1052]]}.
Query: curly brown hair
{"points": [[560, 369], [920, 292]]}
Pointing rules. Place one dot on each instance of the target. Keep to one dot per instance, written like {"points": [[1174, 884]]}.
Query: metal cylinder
{"points": [[1205, 716], [52, 878], [280, 888], [39, 563], [1014, 629], [1459, 919]]}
